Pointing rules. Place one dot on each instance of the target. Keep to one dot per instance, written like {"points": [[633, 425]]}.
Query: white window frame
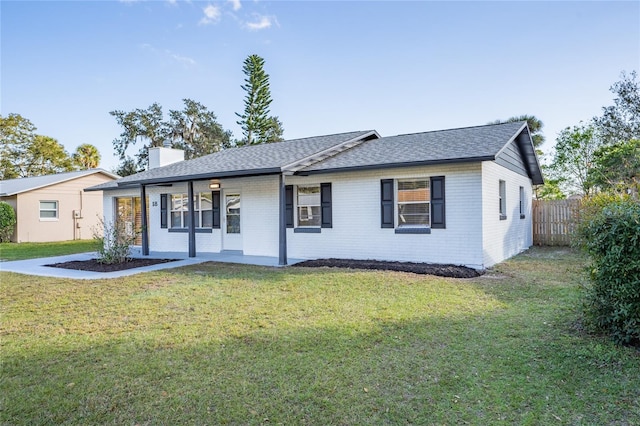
{"points": [[502, 198], [522, 203], [308, 207], [399, 203], [56, 210], [184, 210]]}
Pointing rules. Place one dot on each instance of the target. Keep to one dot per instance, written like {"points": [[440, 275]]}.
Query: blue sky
{"points": [[397, 67]]}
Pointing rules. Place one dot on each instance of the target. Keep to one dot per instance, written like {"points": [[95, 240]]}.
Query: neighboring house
{"points": [[460, 196], [55, 207]]}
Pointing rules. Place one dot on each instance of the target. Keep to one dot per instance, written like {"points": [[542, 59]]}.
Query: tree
{"points": [[127, 167], [140, 125], [535, 128], [617, 167], [196, 131], [46, 156], [16, 134], [621, 121], [574, 157], [257, 126], [86, 157]]}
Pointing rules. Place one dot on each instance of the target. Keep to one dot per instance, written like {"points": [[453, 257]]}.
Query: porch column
{"points": [[282, 258], [192, 221], [145, 227]]}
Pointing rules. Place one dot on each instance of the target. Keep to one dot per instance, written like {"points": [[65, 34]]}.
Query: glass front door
{"points": [[233, 222]]}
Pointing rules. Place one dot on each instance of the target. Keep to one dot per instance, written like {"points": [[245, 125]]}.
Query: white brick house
{"points": [[460, 196]]}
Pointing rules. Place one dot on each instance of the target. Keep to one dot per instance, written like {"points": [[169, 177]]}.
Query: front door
{"points": [[232, 222]]}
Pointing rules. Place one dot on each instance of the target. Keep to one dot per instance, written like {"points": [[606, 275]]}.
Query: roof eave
{"points": [[202, 176]]}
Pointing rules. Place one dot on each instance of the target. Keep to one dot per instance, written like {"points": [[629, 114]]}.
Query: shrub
{"points": [[114, 242], [609, 232], [7, 221]]}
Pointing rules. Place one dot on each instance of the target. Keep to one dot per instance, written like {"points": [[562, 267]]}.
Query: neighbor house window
{"points": [[48, 210], [522, 206], [202, 207], [309, 212], [503, 199], [413, 203]]}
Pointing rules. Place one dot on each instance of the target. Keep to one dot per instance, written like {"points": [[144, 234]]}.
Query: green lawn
{"points": [[229, 344], [19, 251]]}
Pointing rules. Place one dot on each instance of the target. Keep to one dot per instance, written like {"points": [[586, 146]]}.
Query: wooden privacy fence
{"points": [[554, 221]]}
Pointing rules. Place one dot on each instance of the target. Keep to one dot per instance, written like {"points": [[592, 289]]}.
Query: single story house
{"points": [[460, 196], [55, 207]]}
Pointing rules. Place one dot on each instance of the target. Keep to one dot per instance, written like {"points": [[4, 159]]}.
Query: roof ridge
{"points": [[457, 128], [301, 139]]}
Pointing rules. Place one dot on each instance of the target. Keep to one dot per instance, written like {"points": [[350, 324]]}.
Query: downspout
{"points": [[282, 255], [192, 220], [145, 228]]}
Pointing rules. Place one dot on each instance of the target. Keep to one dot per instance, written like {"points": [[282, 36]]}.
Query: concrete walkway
{"points": [[37, 266]]}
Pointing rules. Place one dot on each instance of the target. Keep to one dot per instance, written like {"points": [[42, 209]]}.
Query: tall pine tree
{"points": [[257, 126]]}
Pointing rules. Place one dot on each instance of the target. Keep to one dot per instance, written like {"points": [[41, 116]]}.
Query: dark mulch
{"points": [[451, 271], [94, 266]]}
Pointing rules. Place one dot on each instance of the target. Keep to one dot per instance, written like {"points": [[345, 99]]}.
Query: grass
{"points": [[230, 344], [20, 251]]}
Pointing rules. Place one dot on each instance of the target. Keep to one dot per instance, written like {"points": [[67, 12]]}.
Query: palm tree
{"points": [[86, 157]]}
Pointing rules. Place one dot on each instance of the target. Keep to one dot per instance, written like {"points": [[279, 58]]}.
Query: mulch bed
{"points": [[94, 266], [450, 271]]}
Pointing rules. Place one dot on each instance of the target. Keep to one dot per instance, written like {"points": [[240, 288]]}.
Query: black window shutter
{"points": [[386, 203], [163, 211], [215, 206], [325, 205], [437, 203], [288, 205]]}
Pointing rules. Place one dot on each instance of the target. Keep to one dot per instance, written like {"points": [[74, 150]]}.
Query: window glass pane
{"points": [[48, 205], [308, 196], [48, 214], [232, 202], [308, 215], [413, 191], [205, 201], [178, 202], [207, 218], [413, 214], [176, 220]]}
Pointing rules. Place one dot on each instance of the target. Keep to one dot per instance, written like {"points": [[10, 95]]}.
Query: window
{"points": [[503, 199], [522, 206], [413, 203], [202, 207], [309, 212], [48, 210]]}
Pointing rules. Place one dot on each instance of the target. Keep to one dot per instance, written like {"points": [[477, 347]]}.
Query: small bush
{"points": [[7, 221], [114, 242], [610, 233]]}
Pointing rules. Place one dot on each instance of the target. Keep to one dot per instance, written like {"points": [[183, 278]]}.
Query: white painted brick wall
{"points": [[504, 238], [356, 231]]}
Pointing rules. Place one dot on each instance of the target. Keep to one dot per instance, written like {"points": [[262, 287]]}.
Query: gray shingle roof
{"points": [[243, 161], [479, 143], [17, 186], [443, 146]]}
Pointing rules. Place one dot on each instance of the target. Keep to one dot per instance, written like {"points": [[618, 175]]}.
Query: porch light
{"points": [[214, 184]]}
